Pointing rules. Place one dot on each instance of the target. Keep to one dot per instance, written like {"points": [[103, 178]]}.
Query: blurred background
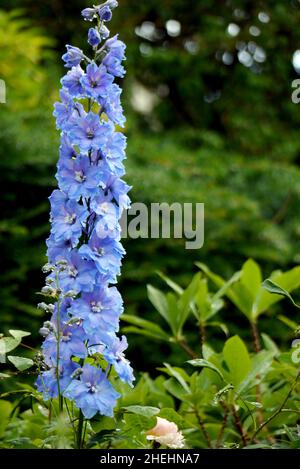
{"points": [[210, 119]]}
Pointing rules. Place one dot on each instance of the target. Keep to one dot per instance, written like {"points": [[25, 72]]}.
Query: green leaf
{"points": [[5, 410], [173, 416], [158, 300], [144, 332], [223, 290], [185, 302], [165, 305], [148, 326], [104, 423], [245, 292], [4, 376], [178, 377], [238, 293], [237, 359], [202, 301], [219, 281], [270, 344], [207, 351], [288, 322], [7, 344], [287, 281], [274, 288], [250, 299], [260, 364], [221, 325], [206, 364], [21, 363], [251, 277], [175, 389], [145, 411], [255, 404], [173, 314], [170, 283], [19, 334]]}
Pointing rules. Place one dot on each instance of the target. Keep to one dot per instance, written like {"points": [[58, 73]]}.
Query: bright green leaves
{"points": [[21, 363], [174, 308], [144, 327], [245, 289], [237, 359], [5, 410], [159, 301], [235, 366], [201, 362], [273, 287], [144, 411], [249, 294], [7, 344], [178, 305]]}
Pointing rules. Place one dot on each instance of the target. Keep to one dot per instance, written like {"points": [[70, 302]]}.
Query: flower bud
{"points": [[71, 294], [62, 262], [48, 308], [44, 331], [94, 37], [88, 14], [112, 3], [49, 291], [104, 32], [73, 321], [49, 325], [73, 56], [49, 281], [77, 373], [47, 268], [105, 13]]}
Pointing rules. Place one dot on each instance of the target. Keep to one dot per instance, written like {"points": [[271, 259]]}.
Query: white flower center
{"points": [[66, 337], [99, 251], [89, 132], [79, 176], [91, 387], [73, 272], [70, 218], [96, 307]]}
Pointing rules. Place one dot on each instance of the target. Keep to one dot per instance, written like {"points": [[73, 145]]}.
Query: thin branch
{"points": [[255, 335], [202, 426], [224, 423], [239, 426], [277, 412], [183, 344]]}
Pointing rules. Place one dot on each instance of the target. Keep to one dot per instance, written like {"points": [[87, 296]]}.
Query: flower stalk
{"points": [[84, 248]]}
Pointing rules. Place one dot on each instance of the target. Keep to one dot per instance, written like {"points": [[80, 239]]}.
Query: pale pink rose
{"points": [[166, 433]]}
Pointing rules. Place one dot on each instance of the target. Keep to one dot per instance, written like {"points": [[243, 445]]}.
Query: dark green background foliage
{"points": [[205, 131]]}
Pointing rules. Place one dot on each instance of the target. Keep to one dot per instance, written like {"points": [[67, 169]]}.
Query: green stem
{"points": [[202, 332], [80, 430], [257, 347], [60, 398]]}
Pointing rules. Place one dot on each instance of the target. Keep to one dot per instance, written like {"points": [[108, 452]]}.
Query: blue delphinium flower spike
{"points": [[84, 248]]}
